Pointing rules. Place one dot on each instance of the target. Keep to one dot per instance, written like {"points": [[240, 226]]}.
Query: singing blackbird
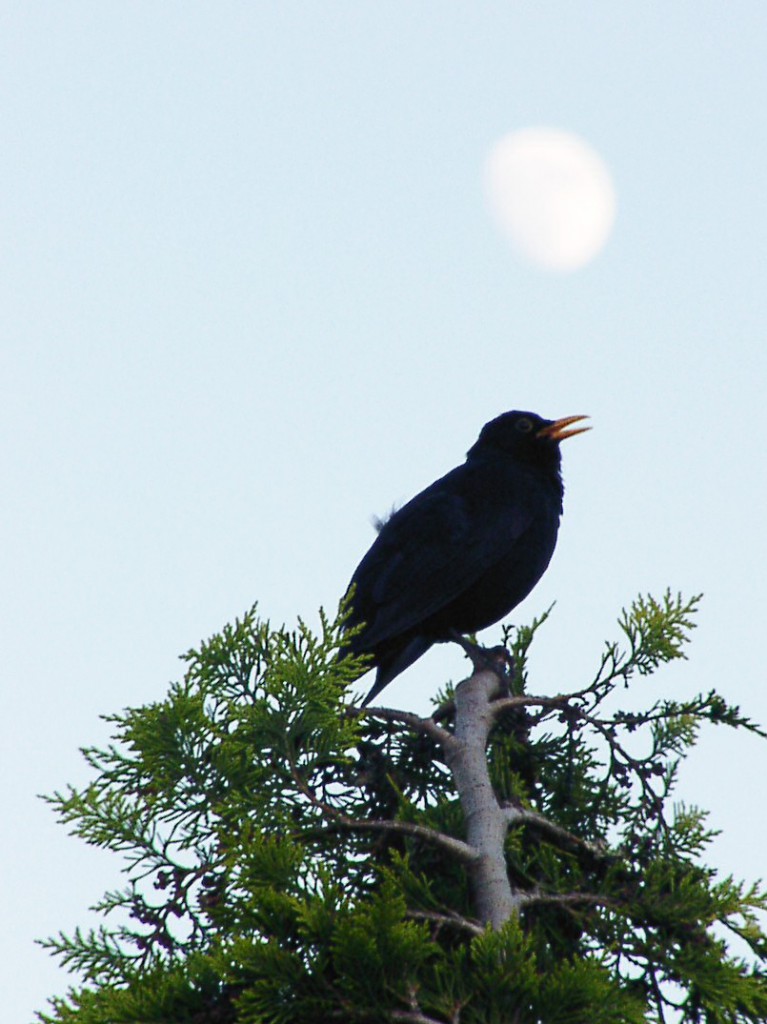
{"points": [[461, 554]]}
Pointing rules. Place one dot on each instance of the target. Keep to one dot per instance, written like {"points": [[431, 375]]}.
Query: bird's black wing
{"points": [[432, 550]]}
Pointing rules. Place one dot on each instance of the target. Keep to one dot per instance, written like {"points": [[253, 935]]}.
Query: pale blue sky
{"points": [[251, 296]]}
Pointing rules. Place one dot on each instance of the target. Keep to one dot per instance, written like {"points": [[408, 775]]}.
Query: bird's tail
{"points": [[390, 664]]}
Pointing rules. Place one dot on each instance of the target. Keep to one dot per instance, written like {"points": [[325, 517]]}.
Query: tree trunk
{"points": [[486, 823]]}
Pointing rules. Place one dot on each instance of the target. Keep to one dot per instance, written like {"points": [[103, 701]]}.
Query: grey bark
{"points": [[486, 821]]}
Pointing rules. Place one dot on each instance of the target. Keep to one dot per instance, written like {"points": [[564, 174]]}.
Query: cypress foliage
{"points": [[290, 861]]}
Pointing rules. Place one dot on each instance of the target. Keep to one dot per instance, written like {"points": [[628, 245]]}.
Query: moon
{"points": [[552, 194]]}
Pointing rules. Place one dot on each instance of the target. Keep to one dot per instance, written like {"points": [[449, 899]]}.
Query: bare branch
{"points": [[565, 899], [427, 726], [463, 851], [524, 700], [451, 920], [521, 816], [413, 1017]]}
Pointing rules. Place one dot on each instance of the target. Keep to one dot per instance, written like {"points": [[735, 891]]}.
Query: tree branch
{"points": [[413, 1017], [486, 823], [523, 700], [521, 816], [451, 920], [462, 851], [427, 726], [564, 899]]}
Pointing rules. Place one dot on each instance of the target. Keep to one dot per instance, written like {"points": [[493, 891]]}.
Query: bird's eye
{"points": [[524, 425]]}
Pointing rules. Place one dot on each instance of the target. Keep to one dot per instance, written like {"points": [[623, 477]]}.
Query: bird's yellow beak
{"points": [[556, 430]]}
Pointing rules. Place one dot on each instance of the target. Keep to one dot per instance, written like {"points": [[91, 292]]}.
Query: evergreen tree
{"points": [[511, 859]]}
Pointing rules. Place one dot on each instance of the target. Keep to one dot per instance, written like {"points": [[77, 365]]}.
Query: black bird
{"points": [[464, 552]]}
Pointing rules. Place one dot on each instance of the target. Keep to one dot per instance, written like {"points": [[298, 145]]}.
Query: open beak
{"points": [[557, 432]]}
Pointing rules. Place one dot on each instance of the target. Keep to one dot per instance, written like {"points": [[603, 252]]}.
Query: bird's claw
{"points": [[493, 659]]}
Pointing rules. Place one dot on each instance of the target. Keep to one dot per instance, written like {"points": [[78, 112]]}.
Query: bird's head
{"points": [[527, 437]]}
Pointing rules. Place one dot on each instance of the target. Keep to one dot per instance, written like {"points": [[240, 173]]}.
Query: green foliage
{"points": [[288, 860]]}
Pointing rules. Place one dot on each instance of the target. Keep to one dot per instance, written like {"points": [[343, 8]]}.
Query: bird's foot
{"points": [[492, 659]]}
